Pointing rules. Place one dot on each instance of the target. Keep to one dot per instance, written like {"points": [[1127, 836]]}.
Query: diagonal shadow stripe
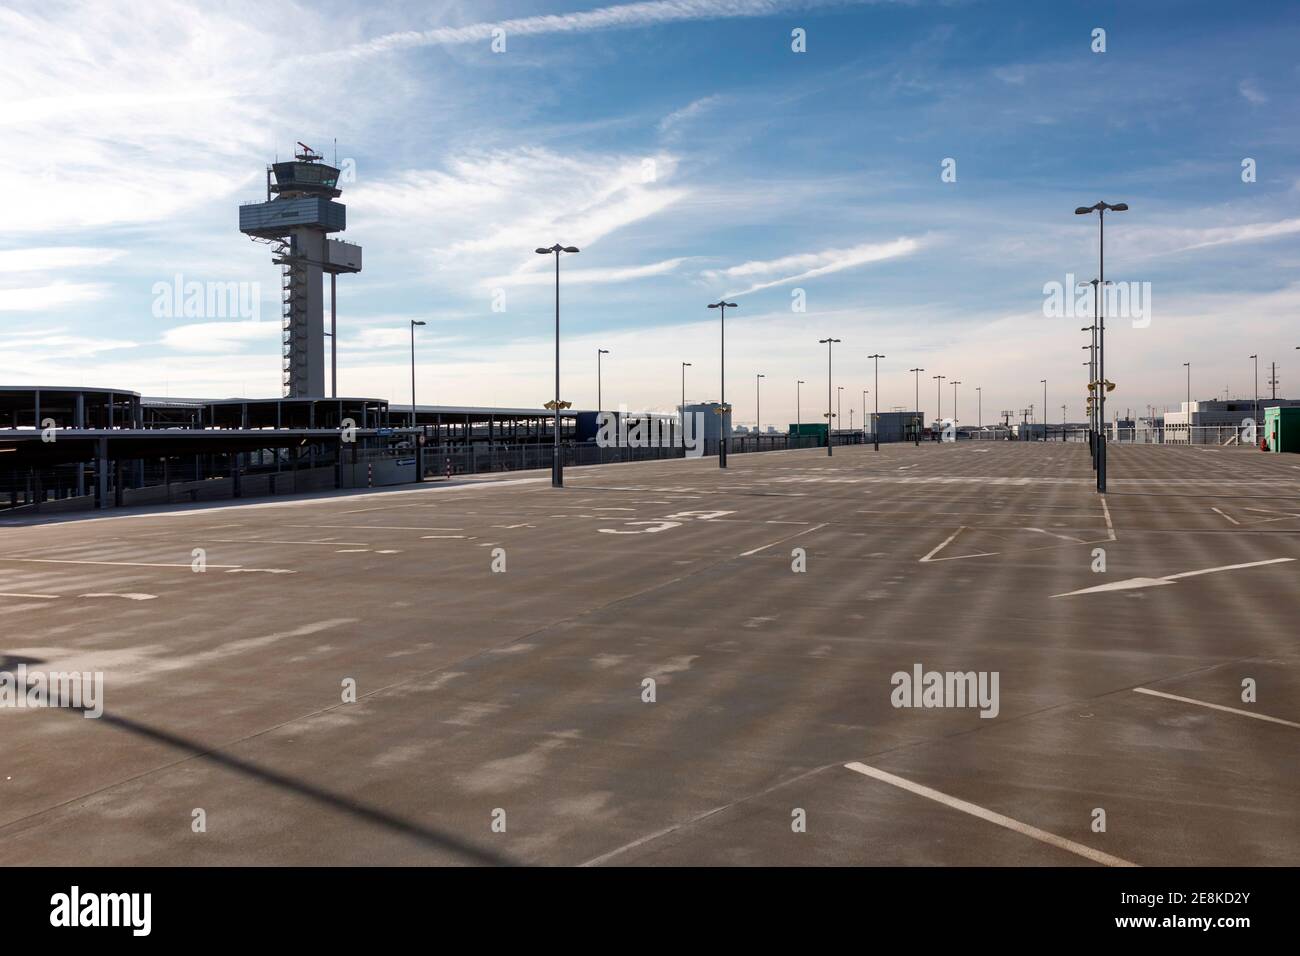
{"points": [[433, 838]]}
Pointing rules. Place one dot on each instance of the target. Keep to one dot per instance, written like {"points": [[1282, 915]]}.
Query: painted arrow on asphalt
{"points": [[1132, 583]]}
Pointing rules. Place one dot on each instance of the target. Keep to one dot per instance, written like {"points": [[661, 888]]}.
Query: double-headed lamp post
{"points": [[414, 323], [722, 305], [875, 415], [830, 415], [938, 391], [1101, 208], [557, 463]]}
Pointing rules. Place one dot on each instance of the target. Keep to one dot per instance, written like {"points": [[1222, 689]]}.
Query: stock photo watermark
{"points": [[1072, 299], [24, 689], [179, 298]]}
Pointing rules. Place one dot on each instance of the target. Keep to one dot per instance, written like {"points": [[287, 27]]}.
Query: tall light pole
{"points": [[1101, 208], [938, 391], [599, 352], [798, 411], [875, 418], [685, 366], [864, 408], [414, 323], [919, 417], [758, 402], [1256, 358], [1188, 366], [830, 416], [954, 385], [557, 463], [722, 305], [1044, 381], [979, 408], [839, 401]]}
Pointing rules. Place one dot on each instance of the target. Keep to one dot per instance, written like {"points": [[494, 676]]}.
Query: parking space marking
{"points": [[1225, 515], [1079, 849], [113, 564], [1203, 703], [1130, 584], [770, 544]]}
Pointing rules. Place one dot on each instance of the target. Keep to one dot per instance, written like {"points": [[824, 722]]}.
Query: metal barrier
{"points": [[1225, 436]]}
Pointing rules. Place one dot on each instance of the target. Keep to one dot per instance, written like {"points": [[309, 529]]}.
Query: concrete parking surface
{"points": [[516, 699]]}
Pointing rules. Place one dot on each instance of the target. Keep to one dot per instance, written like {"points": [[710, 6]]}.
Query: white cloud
{"points": [[50, 296], [51, 258], [670, 123], [219, 336], [1251, 92], [588, 276], [622, 16], [1170, 240], [812, 264], [484, 213]]}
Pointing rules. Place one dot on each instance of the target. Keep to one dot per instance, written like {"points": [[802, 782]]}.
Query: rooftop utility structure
{"points": [[299, 213]]}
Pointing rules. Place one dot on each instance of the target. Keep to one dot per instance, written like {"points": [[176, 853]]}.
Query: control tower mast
{"points": [[296, 219]]}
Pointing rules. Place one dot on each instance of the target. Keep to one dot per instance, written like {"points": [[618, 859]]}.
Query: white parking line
{"points": [[1226, 515], [1229, 710], [1079, 849], [39, 597], [112, 564], [1129, 584], [745, 554]]}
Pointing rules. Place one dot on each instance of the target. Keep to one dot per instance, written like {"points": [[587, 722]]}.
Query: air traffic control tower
{"points": [[296, 219]]}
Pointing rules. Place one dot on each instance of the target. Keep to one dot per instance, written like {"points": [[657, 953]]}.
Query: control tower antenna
{"points": [[299, 213]]}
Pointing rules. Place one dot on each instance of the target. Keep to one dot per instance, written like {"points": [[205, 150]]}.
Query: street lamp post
{"points": [[1044, 381], [798, 412], [685, 366], [557, 463], [979, 409], [599, 352], [938, 391], [722, 305], [954, 385], [414, 323], [758, 408], [875, 418], [830, 416], [919, 417], [1101, 208], [1256, 358], [839, 401]]}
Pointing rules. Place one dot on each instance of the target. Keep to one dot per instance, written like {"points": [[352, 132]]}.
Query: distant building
{"points": [[1220, 412]]}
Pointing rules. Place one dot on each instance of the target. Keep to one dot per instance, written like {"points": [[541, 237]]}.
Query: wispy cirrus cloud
{"points": [[809, 265], [50, 258], [589, 276], [620, 16], [50, 296]]}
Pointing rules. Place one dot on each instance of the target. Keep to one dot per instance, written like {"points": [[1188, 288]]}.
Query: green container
{"points": [[1282, 428], [808, 428]]}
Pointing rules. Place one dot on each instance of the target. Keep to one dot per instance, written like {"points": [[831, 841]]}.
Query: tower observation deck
{"points": [[299, 213]]}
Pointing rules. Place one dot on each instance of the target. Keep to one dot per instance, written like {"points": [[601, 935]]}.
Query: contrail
{"points": [[604, 18]]}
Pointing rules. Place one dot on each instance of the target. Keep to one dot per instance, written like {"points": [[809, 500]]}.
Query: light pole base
{"points": [[557, 471]]}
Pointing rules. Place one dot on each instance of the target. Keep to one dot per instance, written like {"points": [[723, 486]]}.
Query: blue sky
{"points": [[691, 153]]}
